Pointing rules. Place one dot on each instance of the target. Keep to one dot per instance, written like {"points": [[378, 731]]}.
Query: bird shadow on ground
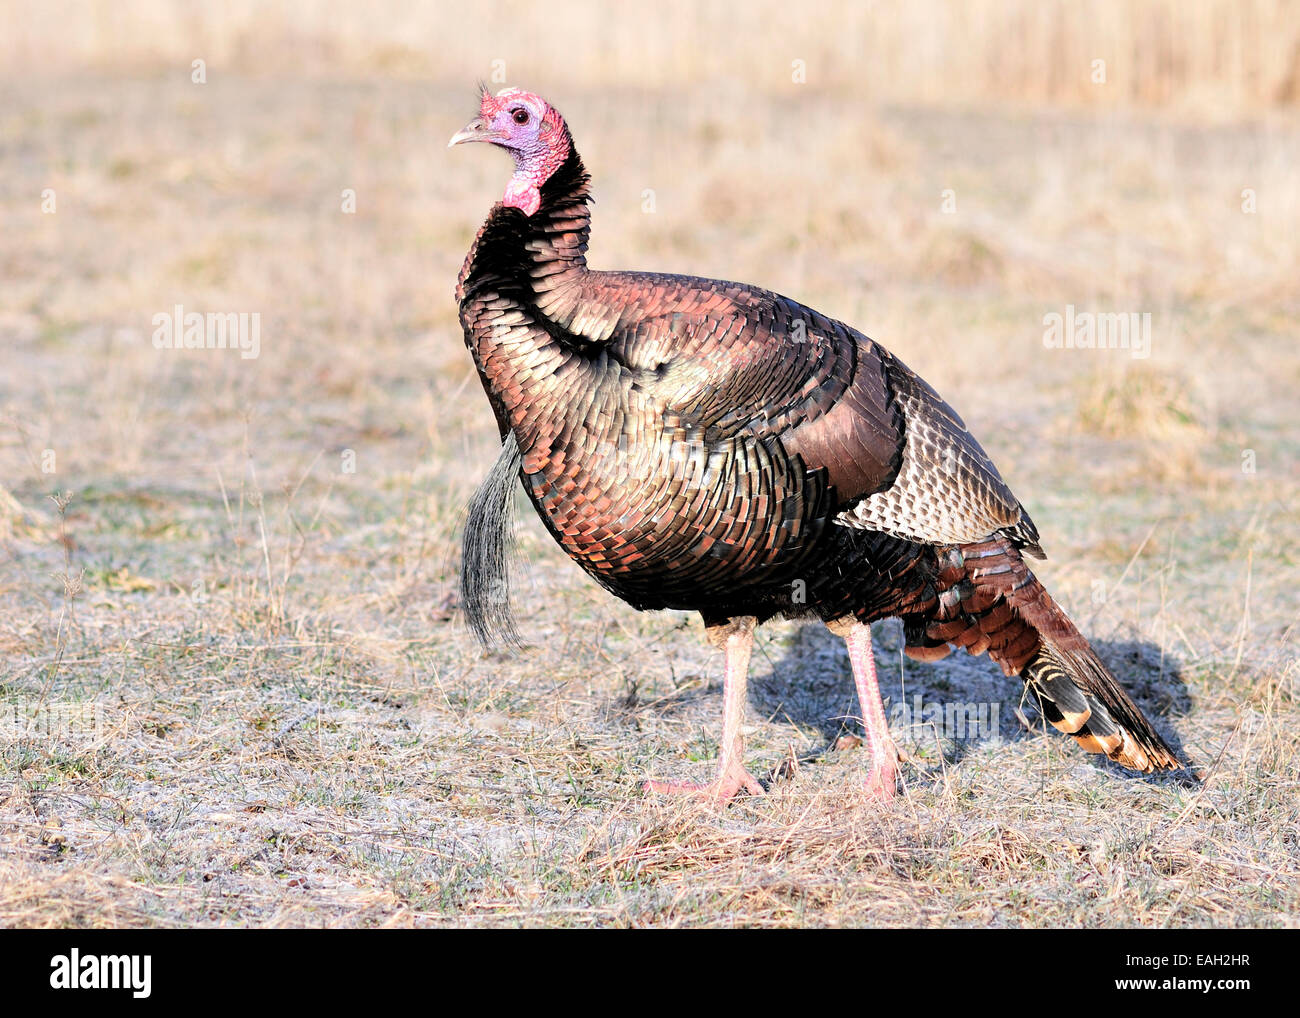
{"points": [[954, 705]]}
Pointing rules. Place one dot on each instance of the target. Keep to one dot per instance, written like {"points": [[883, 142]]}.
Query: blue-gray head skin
{"points": [[527, 127]]}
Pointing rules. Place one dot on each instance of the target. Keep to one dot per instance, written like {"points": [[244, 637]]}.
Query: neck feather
{"points": [[523, 272], [530, 258]]}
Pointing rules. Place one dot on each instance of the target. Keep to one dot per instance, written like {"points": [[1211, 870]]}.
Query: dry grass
{"points": [[237, 689], [1206, 57]]}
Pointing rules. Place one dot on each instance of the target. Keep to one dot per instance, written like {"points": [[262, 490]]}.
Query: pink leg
{"points": [[737, 639], [884, 756]]}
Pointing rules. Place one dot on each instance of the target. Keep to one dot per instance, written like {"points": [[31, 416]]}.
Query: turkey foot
{"points": [[719, 792], [736, 637], [883, 776], [882, 780]]}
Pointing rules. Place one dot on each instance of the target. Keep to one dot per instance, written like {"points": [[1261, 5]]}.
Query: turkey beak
{"points": [[476, 130]]}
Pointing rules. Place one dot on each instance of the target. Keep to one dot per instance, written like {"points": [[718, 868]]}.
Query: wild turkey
{"points": [[715, 447]]}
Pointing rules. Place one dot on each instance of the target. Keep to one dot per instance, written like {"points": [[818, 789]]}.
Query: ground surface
{"points": [[236, 685]]}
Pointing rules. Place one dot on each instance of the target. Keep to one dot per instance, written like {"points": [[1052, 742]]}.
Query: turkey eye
{"points": [[521, 116]]}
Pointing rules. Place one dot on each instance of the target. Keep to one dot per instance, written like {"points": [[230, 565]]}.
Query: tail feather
{"points": [[1111, 722], [990, 601]]}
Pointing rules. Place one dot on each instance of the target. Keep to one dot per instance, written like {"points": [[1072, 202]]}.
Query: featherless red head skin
{"points": [[532, 131]]}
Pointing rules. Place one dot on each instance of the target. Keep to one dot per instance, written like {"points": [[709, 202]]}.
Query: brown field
{"points": [[234, 686]]}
